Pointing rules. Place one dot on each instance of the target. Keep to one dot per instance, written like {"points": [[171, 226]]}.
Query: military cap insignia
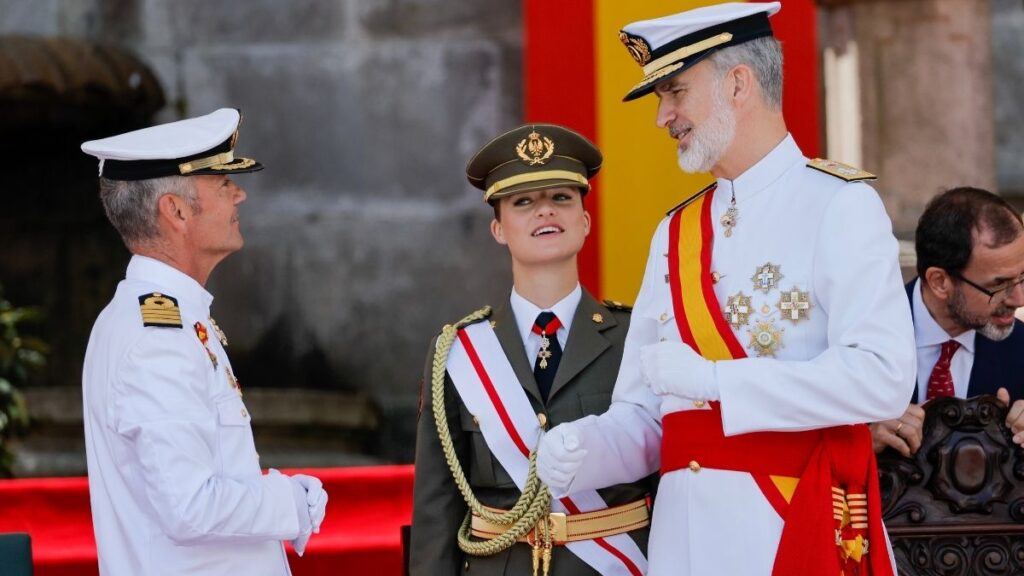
{"points": [[840, 170], [637, 47], [160, 310], [535, 149]]}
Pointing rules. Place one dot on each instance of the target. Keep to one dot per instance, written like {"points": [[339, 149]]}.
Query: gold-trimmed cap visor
{"points": [[675, 55], [534, 157]]}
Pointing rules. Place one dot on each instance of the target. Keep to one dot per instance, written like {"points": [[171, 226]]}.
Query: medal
{"points": [[794, 305], [737, 310], [544, 353], [765, 338], [766, 277]]}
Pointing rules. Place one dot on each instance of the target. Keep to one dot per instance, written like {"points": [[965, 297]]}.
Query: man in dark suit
{"points": [[548, 355], [970, 266]]}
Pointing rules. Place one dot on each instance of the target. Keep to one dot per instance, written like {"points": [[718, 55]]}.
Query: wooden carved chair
{"points": [[957, 506]]}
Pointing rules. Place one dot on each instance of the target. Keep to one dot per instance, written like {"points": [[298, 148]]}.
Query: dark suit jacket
{"points": [[582, 386], [996, 364]]}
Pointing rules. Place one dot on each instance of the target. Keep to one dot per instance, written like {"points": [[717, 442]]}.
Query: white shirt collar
{"points": [[765, 172], [176, 283], [526, 312], [927, 331]]}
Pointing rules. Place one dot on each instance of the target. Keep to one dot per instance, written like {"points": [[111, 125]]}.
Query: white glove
{"points": [[316, 498], [672, 367], [560, 454], [305, 523]]}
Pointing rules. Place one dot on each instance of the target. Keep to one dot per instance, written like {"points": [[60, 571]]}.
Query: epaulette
{"points": [[840, 170], [616, 305], [691, 199], [160, 310]]}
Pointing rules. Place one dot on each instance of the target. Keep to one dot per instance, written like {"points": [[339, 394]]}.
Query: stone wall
{"points": [[362, 235]]}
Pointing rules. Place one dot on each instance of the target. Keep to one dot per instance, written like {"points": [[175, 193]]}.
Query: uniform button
{"points": [[663, 317], [466, 566], [698, 403], [715, 277], [244, 413], [694, 467], [476, 420], [543, 419]]}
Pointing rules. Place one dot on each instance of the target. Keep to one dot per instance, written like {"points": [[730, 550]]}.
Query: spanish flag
{"points": [[576, 73]]}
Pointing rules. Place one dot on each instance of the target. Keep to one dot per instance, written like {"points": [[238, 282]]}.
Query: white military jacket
{"points": [[174, 478], [802, 237]]}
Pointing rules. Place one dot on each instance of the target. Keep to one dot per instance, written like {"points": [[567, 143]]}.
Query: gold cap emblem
{"points": [[636, 46], [535, 149], [597, 318]]}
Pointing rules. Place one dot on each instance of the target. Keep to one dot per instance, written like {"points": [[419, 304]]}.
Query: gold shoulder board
{"points": [[616, 305], [840, 170], [690, 200], [160, 310]]}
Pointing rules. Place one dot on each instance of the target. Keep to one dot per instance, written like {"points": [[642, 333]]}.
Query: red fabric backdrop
{"points": [[360, 535]]}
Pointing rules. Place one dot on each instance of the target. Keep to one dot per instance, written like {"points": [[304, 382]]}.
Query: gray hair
{"points": [[131, 205], [763, 56]]}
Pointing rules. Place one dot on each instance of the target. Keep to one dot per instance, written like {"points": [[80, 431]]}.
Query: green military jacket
{"points": [[582, 386]]}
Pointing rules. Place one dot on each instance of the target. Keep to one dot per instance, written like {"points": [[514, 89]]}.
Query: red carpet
{"points": [[360, 535]]}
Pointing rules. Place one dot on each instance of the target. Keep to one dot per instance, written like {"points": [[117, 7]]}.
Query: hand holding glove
{"points": [[672, 367], [560, 454]]}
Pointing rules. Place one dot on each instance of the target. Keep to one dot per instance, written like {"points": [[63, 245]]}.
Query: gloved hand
{"points": [[316, 498], [560, 454], [305, 522], [672, 367]]}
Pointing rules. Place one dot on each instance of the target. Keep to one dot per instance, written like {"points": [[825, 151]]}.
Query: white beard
{"points": [[709, 141]]}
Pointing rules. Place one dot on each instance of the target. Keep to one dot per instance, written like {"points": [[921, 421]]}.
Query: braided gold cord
{"points": [[534, 504]]}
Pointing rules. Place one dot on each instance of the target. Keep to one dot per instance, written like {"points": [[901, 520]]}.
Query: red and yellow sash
{"points": [[823, 483]]}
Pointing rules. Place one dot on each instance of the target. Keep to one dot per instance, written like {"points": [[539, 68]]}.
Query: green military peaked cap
{"points": [[534, 157]]}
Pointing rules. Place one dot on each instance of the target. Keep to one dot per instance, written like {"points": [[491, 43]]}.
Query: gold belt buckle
{"points": [[559, 530]]}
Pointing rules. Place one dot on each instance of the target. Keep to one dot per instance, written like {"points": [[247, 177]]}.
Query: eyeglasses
{"points": [[997, 296]]}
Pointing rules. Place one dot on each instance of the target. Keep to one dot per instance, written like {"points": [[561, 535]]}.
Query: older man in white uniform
{"points": [[174, 478], [771, 317]]}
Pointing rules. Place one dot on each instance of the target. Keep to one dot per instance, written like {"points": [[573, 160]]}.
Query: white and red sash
{"points": [[489, 388]]}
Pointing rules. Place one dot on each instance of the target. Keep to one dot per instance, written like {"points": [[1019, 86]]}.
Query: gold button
{"points": [[694, 467], [663, 317], [244, 413], [715, 277], [698, 403], [476, 420], [543, 419], [466, 566]]}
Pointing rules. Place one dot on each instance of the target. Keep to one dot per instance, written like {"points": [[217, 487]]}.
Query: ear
{"points": [[498, 233], [939, 282], [586, 223], [741, 84], [173, 211]]}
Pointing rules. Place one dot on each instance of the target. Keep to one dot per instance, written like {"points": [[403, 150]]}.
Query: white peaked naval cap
{"points": [[194, 146], [667, 46]]}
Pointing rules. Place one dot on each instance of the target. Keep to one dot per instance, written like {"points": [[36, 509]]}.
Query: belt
{"points": [[575, 527]]}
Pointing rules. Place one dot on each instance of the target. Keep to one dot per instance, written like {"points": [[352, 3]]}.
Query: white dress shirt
{"points": [[930, 337], [526, 313], [174, 479]]}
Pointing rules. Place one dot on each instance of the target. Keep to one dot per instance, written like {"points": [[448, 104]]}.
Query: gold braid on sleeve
{"points": [[535, 502]]}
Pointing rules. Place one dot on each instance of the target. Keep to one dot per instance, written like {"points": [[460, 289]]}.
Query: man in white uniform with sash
{"points": [[770, 325], [174, 478], [496, 379]]}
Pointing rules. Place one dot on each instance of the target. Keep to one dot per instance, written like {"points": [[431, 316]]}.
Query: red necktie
{"points": [[940, 383]]}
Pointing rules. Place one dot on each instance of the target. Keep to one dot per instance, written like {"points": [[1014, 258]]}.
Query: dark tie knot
{"points": [[546, 323]]}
